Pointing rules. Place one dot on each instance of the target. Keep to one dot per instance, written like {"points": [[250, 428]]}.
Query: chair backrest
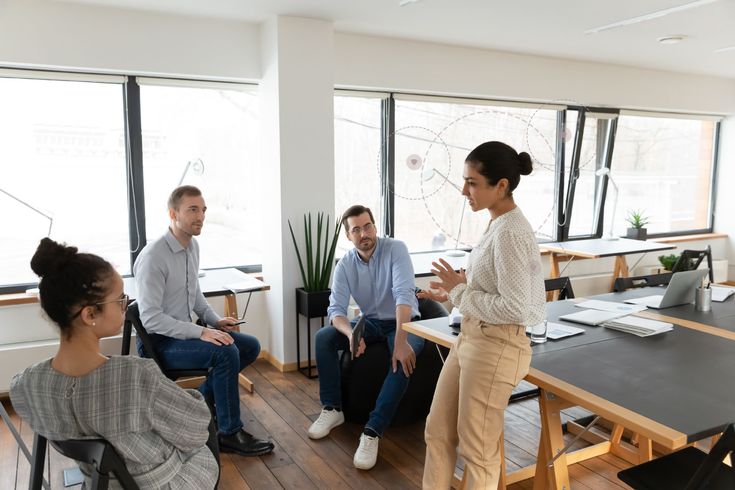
{"points": [[712, 463], [132, 321], [624, 283], [561, 284], [96, 452], [102, 457], [690, 260]]}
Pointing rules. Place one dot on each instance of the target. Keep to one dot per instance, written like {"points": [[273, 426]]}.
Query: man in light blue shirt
{"points": [[378, 274], [167, 283]]}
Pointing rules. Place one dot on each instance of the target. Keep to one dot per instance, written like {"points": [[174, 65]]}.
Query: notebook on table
{"points": [[592, 317], [680, 290], [642, 327]]}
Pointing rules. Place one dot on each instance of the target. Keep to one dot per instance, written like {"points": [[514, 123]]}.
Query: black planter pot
{"points": [[637, 233], [309, 304]]}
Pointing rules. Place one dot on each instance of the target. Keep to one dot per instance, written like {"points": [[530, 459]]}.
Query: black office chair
{"points": [[690, 259], [132, 320], [687, 469], [96, 452], [561, 284], [625, 283], [564, 286]]}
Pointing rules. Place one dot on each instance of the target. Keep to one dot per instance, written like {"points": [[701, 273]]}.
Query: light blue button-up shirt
{"points": [[167, 284], [378, 285]]}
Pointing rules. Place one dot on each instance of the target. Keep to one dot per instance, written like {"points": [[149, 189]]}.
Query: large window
{"points": [[62, 161], [208, 137], [69, 166], [663, 167], [432, 140], [405, 154], [357, 153]]}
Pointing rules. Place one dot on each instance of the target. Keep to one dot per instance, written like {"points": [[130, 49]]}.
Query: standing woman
{"points": [[501, 292], [158, 429]]}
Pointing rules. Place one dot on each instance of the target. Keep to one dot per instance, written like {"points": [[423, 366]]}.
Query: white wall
{"points": [[298, 62], [392, 64], [298, 98], [100, 39]]}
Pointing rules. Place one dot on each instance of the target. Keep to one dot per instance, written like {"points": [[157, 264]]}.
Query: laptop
{"points": [[680, 290]]}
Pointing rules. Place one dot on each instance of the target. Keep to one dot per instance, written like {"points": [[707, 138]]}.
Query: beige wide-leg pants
{"points": [[482, 369]]}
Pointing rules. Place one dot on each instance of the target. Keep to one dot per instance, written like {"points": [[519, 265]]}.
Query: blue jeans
{"points": [[329, 341], [222, 384]]}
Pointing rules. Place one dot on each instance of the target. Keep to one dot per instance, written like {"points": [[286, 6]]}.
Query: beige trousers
{"points": [[479, 374]]}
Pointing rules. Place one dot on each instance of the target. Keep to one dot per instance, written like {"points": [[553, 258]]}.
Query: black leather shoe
{"points": [[244, 443]]}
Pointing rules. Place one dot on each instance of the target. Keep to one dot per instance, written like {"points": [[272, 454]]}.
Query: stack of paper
{"points": [[596, 304], [721, 293], [642, 327]]}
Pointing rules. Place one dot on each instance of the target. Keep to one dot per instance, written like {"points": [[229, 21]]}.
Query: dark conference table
{"points": [[672, 388]]}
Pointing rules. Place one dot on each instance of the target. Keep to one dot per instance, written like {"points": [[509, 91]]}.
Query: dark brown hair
{"points": [[356, 210], [69, 281], [174, 200], [496, 160]]}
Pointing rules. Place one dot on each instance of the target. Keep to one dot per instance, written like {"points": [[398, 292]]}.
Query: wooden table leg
{"points": [[620, 269], [553, 274], [556, 476], [231, 310]]}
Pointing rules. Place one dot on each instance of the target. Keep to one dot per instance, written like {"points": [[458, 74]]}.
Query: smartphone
{"points": [[239, 322]]}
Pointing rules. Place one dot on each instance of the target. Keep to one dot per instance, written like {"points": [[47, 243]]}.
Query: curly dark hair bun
{"points": [[50, 257], [69, 280]]}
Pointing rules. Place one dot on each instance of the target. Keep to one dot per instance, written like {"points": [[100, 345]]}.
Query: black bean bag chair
{"points": [[363, 377]]}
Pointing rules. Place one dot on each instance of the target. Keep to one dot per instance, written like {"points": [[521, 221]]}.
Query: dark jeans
{"points": [[329, 341], [227, 361]]}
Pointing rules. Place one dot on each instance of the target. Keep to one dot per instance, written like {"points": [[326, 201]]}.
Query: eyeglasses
{"points": [[124, 302], [366, 228]]}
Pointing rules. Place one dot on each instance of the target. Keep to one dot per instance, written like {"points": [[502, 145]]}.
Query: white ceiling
{"points": [[543, 27]]}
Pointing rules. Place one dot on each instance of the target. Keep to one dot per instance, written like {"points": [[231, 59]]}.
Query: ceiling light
{"points": [[671, 39], [722, 50], [403, 3], [651, 16]]}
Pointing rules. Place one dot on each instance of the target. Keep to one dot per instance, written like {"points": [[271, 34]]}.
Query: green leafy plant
{"points": [[319, 251], [668, 261], [636, 219]]}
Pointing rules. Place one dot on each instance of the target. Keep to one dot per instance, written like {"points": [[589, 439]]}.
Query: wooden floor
{"points": [[282, 408]]}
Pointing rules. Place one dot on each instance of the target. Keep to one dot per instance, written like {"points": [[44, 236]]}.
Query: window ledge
{"points": [[689, 238]]}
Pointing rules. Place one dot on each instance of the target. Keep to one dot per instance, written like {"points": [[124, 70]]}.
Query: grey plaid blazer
{"points": [[159, 429]]}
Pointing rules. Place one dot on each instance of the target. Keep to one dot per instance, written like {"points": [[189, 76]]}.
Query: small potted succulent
{"points": [[637, 222]]}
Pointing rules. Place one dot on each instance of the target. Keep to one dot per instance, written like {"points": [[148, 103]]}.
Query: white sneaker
{"points": [[367, 452], [328, 420]]}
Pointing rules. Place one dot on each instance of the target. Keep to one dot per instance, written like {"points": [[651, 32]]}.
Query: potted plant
{"points": [[315, 265], [668, 261], [637, 222]]}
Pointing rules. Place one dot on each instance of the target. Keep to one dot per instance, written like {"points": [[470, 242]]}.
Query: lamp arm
{"points": [[49, 218]]}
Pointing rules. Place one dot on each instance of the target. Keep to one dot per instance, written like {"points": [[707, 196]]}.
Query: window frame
{"points": [[132, 129], [564, 182]]}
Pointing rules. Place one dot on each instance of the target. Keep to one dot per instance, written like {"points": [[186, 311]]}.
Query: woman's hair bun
{"points": [[50, 257], [525, 163]]}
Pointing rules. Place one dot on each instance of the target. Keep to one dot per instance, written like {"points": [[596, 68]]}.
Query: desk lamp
{"points": [[606, 171]]}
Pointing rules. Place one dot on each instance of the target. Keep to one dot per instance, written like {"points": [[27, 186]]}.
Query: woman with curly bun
{"points": [[500, 294], [159, 429]]}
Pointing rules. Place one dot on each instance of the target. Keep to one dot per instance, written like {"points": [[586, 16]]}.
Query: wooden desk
{"points": [[599, 247], [214, 283], [667, 388]]}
